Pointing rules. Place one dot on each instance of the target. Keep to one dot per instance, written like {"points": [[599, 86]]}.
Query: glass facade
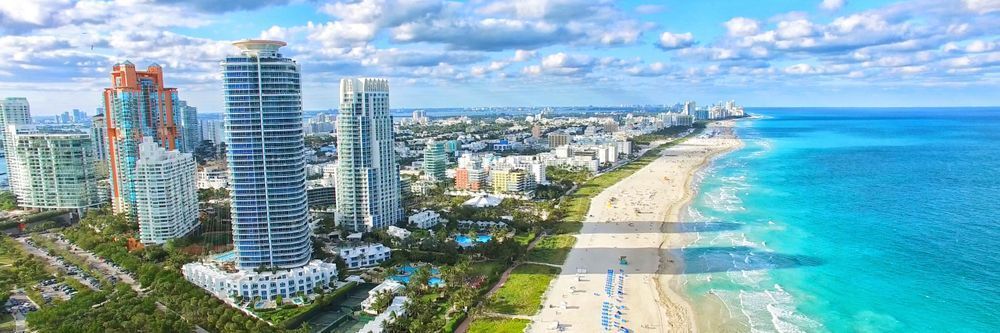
{"points": [[263, 126]]}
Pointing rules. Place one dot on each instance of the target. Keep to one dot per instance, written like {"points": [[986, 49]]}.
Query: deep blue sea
{"points": [[853, 220]]}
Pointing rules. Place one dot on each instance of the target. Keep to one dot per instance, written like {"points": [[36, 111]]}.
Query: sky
{"points": [[58, 53]]}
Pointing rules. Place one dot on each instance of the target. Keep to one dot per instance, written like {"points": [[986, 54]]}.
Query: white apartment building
{"points": [[13, 111], [225, 284], [425, 219], [368, 193], [398, 232], [166, 194], [365, 255], [212, 178]]}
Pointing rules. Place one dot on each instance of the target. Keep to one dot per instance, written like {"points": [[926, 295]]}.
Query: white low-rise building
{"points": [[425, 219], [365, 255], [226, 284], [213, 178], [398, 232], [481, 224], [395, 310], [388, 286]]}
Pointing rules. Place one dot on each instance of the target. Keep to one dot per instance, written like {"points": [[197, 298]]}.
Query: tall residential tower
{"points": [[136, 105], [263, 116], [368, 175], [13, 111]]}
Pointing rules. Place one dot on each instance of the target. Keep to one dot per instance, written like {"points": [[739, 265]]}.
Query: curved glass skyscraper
{"points": [[263, 117]]}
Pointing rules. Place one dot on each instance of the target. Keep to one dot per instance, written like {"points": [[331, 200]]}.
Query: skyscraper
{"points": [[368, 174], [435, 162], [13, 111], [51, 168], [190, 128], [263, 115], [136, 105], [99, 132], [166, 196]]}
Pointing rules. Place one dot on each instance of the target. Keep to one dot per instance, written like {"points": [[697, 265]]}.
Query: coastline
{"points": [[630, 219], [670, 284]]}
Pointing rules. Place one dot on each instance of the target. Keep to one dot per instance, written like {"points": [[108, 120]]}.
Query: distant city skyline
{"points": [[524, 52]]}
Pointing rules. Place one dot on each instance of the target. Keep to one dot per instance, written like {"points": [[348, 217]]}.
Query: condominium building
{"points": [[190, 128], [135, 106], [51, 168], [13, 111], [364, 255], [266, 166], [435, 161], [368, 195], [470, 179], [213, 131], [166, 196], [263, 117], [556, 140], [511, 181]]}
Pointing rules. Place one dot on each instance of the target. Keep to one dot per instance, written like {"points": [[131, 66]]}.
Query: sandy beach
{"points": [[595, 291]]}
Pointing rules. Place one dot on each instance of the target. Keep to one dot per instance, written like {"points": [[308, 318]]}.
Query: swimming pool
{"points": [[226, 256], [407, 270], [465, 241]]}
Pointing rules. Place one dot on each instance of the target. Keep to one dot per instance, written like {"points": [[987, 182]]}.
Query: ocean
{"points": [[852, 220]]}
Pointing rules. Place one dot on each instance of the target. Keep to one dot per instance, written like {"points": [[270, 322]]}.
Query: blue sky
{"points": [[523, 52]]}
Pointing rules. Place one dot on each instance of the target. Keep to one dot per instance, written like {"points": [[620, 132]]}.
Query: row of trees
{"points": [[157, 269]]}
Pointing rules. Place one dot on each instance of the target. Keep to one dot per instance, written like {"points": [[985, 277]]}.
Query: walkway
{"points": [[464, 326]]}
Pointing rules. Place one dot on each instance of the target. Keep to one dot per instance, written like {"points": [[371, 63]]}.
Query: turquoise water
{"points": [[853, 220], [465, 241], [407, 270], [226, 256]]}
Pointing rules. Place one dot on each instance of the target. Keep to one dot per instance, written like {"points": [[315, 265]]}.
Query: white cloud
{"points": [[983, 6], [742, 26], [670, 41], [649, 9], [979, 46], [832, 5], [523, 55]]}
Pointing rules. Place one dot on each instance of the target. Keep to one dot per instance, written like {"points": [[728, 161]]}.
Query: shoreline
{"points": [[670, 283], [628, 220]]}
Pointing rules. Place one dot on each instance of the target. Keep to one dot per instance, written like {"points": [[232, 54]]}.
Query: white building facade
{"points": [[226, 285], [13, 111], [425, 219], [368, 193], [166, 195], [364, 255]]}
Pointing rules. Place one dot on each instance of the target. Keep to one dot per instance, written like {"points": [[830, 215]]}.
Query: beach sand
{"points": [[627, 219]]}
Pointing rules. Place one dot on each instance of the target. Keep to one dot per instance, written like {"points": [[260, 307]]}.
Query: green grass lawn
{"points": [[498, 325], [524, 238], [522, 293], [552, 249], [7, 323]]}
